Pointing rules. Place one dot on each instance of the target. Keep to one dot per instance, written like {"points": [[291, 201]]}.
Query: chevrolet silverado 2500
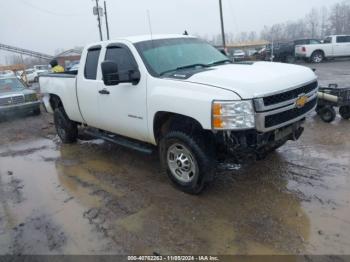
{"points": [[183, 97]]}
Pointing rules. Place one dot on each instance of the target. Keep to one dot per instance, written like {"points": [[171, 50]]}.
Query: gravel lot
{"points": [[98, 198]]}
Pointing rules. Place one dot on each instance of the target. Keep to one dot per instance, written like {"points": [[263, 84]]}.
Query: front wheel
{"points": [[344, 112], [66, 129], [186, 161]]}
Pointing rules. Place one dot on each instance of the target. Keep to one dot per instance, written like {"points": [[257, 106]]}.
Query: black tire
{"points": [[344, 112], [319, 109], [66, 129], [36, 79], [317, 57], [290, 59], [202, 160], [37, 111], [328, 114]]}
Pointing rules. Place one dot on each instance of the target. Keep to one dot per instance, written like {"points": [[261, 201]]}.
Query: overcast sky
{"points": [[46, 26]]}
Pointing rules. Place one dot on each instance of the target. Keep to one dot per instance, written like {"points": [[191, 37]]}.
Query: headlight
{"points": [[31, 98], [233, 115]]}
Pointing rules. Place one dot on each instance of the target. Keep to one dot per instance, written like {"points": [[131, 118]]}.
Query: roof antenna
{"points": [[151, 32], [149, 23]]}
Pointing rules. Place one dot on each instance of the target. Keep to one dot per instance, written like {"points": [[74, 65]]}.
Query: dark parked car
{"points": [[285, 51], [16, 98]]}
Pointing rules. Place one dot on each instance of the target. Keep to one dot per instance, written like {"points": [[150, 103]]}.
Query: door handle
{"points": [[104, 92]]}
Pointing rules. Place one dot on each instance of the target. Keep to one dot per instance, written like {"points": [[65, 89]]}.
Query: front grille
{"points": [[279, 118], [289, 95], [5, 101], [14, 100], [17, 100]]}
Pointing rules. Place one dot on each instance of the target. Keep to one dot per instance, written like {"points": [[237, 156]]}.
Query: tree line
{"points": [[318, 23]]}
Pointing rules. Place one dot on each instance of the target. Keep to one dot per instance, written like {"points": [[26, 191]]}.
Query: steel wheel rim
{"points": [[318, 58], [181, 163]]}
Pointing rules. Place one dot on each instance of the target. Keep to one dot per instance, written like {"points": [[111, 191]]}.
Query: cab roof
{"points": [[141, 38]]}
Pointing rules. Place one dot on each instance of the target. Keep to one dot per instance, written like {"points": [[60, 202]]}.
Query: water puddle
{"points": [[96, 198]]}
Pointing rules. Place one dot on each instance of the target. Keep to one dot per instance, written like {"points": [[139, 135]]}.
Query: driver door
{"points": [[122, 107]]}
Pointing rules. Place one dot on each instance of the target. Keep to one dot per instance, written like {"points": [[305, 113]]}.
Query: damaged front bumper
{"points": [[238, 146]]}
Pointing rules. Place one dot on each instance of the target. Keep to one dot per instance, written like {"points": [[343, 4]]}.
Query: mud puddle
{"points": [[96, 198]]}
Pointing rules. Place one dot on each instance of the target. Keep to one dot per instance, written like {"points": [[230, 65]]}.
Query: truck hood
{"points": [[255, 80]]}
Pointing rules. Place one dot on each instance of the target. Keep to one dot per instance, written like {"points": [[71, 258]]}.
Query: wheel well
{"points": [[55, 102], [318, 50], [165, 121]]}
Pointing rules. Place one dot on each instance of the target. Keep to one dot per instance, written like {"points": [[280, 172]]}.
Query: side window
{"points": [[343, 39], [328, 40], [122, 57], [313, 42], [91, 64]]}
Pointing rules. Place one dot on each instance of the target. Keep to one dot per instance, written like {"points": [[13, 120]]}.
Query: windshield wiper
{"points": [[220, 62], [183, 67]]}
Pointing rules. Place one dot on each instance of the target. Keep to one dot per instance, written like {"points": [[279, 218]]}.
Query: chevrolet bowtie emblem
{"points": [[301, 101]]}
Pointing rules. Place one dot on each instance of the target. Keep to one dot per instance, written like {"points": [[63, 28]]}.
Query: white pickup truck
{"points": [[180, 95], [333, 46]]}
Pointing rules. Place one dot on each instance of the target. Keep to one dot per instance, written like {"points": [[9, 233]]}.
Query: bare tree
{"points": [[340, 18], [312, 20]]}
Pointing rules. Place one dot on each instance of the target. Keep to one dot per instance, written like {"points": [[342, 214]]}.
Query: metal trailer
{"points": [[331, 97]]}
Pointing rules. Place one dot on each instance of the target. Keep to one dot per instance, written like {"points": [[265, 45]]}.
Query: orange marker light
{"points": [[217, 122], [217, 109]]}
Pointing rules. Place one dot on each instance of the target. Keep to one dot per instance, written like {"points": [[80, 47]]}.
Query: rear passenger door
{"points": [[88, 87]]}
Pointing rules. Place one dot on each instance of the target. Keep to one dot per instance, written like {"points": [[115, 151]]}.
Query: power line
{"points": [[38, 8]]}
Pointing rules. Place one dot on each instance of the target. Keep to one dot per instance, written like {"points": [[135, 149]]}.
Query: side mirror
{"points": [[110, 73], [135, 76], [112, 76]]}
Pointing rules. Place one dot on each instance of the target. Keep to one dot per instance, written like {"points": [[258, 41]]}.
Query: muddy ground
{"points": [[98, 198]]}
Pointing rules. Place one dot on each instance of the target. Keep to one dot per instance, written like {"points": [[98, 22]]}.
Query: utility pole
{"points": [[222, 25], [98, 19], [107, 26]]}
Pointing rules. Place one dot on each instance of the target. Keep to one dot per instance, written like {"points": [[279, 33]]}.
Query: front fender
{"points": [[183, 98]]}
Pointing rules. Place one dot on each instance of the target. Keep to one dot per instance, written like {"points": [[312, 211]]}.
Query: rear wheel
{"points": [[328, 114], [66, 129], [344, 112], [317, 57], [290, 59], [186, 161]]}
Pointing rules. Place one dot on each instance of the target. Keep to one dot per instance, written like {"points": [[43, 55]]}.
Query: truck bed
{"points": [[64, 86]]}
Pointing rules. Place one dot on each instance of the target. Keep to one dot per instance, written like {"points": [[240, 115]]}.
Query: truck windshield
{"points": [[10, 85], [166, 55]]}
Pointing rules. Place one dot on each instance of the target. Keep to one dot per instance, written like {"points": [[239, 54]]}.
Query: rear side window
{"points": [[123, 58], [301, 42], [91, 64], [314, 42], [343, 39]]}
